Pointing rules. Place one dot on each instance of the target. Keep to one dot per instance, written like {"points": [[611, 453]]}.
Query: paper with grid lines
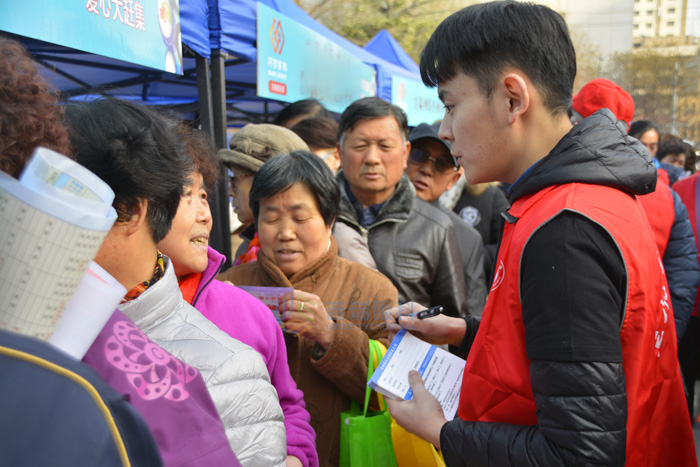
{"points": [[50, 231]]}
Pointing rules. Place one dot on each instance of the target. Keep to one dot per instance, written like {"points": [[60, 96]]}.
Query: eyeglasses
{"points": [[420, 156], [235, 179]]}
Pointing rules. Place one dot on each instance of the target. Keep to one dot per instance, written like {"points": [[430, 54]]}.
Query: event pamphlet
{"points": [[441, 371], [269, 296]]}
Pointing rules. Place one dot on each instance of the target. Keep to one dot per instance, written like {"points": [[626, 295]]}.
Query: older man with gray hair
{"points": [[412, 242]]}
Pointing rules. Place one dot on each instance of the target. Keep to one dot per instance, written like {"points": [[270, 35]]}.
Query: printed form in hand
{"points": [[441, 371]]}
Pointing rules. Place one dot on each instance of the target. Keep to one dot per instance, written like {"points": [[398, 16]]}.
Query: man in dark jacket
{"points": [[411, 242], [574, 360], [667, 215], [432, 171]]}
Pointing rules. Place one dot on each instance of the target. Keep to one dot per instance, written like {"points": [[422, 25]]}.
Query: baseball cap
{"points": [[427, 131], [254, 144], [601, 93]]}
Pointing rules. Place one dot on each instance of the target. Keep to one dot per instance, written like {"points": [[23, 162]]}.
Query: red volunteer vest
{"points": [[658, 206], [687, 189], [496, 385]]}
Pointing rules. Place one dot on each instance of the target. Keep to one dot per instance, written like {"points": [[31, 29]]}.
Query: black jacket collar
{"points": [[597, 151]]}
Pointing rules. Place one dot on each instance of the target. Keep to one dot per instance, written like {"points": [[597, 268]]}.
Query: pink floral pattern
{"points": [[152, 371]]}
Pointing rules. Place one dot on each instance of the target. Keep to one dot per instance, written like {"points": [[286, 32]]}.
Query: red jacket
{"points": [[658, 205], [496, 385]]}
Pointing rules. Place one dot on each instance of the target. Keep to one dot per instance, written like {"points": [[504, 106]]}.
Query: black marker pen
{"points": [[423, 314]]}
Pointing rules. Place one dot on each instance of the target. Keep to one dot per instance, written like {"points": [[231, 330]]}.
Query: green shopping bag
{"points": [[365, 435]]}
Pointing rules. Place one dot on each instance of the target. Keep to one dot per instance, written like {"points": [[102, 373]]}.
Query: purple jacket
{"points": [[170, 394], [245, 318]]}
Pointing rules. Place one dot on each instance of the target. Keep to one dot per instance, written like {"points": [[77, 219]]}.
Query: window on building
{"points": [[650, 12], [636, 13], [671, 10], [648, 25], [635, 26], [670, 23]]}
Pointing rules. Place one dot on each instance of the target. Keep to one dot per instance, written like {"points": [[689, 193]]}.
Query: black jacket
{"points": [[414, 244], [55, 410], [571, 268]]}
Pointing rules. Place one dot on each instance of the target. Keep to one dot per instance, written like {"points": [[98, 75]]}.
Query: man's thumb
{"points": [[415, 381]]}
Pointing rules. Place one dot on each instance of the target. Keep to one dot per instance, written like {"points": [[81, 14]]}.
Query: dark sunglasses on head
{"points": [[444, 166]]}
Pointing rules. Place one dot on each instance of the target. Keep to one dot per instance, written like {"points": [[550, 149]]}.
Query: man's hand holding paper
{"points": [[422, 415]]}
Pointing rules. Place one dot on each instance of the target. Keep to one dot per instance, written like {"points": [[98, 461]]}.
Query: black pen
{"points": [[423, 314]]}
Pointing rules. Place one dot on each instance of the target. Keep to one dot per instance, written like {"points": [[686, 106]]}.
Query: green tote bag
{"points": [[365, 435]]}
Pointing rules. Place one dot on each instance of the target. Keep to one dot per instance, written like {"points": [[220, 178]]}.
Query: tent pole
{"points": [[220, 211], [206, 113], [219, 240]]}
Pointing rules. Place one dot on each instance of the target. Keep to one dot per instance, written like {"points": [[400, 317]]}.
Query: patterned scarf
{"points": [[157, 275], [252, 253]]}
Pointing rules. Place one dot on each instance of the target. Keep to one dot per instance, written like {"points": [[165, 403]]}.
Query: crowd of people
{"points": [[558, 234]]}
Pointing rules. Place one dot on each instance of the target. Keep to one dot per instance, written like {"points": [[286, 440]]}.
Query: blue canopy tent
{"points": [[384, 45], [420, 103]]}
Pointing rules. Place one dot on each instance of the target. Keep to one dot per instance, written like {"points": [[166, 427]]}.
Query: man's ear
{"points": [[455, 178], [407, 151], [339, 150], [518, 95], [138, 218], [335, 156]]}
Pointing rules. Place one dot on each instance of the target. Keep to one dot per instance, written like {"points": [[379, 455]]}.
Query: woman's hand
{"points": [[305, 314], [437, 330]]}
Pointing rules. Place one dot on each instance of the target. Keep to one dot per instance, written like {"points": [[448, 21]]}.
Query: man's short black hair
{"points": [[483, 40], [369, 108], [305, 108], [136, 152], [281, 172]]}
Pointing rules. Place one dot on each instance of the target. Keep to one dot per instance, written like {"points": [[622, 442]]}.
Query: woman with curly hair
{"points": [[30, 114]]}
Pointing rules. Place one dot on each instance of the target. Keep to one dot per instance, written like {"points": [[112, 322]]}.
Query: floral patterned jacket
{"points": [[233, 372], [170, 394]]}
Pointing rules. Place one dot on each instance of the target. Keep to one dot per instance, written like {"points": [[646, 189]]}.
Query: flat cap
{"points": [[254, 144]]}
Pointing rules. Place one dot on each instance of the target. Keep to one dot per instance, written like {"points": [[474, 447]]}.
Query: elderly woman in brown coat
{"points": [[336, 305]]}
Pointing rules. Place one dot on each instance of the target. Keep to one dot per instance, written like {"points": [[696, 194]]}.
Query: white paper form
{"points": [[441, 371], [48, 237]]}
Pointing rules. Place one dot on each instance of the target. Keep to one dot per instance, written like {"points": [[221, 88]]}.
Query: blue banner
{"points": [[420, 103], [296, 63], [144, 32]]}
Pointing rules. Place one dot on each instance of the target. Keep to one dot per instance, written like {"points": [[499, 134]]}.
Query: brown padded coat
{"points": [[355, 297]]}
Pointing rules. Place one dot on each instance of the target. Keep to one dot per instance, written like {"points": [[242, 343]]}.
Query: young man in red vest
{"points": [[574, 359]]}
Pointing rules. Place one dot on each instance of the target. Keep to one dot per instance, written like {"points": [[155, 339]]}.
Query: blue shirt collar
{"points": [[365, 215]]}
